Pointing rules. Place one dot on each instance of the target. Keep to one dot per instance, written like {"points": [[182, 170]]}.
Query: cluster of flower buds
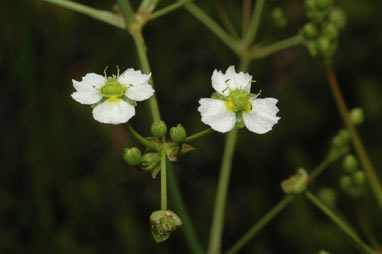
{"points": [[321, 32], [163, 223], [297, 183], [278, 17], [150, 161], [353, 179]]}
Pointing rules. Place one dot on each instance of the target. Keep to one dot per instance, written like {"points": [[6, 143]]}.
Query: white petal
{"points": [[135, 78], [93, 80], [113, 112], [219, 82], [215, 114], [139, 93], [262, 117], [238, 80], [86, 94]]}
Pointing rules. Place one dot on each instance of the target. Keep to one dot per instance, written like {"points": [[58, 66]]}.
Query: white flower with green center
{"points": [[233, 104], [113, 98]]}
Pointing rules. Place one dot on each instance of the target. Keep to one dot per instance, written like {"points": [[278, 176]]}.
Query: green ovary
{"points": [[113, 89], [238, 100]]}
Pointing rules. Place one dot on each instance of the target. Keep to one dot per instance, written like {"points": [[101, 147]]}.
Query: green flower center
{"points": [[238, 100], [113, 89]]}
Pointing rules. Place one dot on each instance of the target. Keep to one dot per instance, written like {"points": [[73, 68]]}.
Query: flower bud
{"points": [[338, 18], [310, 5], [132, 156], [341, 139], [359, 177], [158, 129], [324, 4], [346, 182], [330, 31], [323, 45], [279, 17], [310, 31], [350, 163], [163, 223], [178, 133], [297, 183], [150, 161], [357, 116]]}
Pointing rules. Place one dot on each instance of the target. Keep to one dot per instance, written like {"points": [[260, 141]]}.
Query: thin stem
{"points": [[226, 20], [332, 157], [163, 179], [339, 222], [148, 5], [213, 26], [261, 52], [279, 207], [105, 16], [127, 12], [246, 15], [197, 135], [255, 21], [221, 194], [170, 8], [358, 145], [141, 139], [180, 208], [140, 45]]}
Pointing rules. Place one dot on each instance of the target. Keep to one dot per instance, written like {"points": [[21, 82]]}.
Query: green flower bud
{"points": [[330, 31], [132, 156], [158, 129], [341, 139], [297, 183], [150, 160], [312, 47], [279, 17], [324, 4], [350, 163], [178, 133], [338, 18], [324, 46], [163, 223], [359, 178], [357, 116], [310, 31], [310, 5], [346, 182]]}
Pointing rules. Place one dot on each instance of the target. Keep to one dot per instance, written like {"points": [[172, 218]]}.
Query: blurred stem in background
{"points": [[357, 142]]}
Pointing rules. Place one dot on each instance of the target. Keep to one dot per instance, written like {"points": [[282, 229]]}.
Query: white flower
{"points": [[113, 98], [233, 104]]}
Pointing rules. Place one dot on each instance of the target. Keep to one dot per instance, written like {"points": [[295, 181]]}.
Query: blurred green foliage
{"points": [[64, 187]]}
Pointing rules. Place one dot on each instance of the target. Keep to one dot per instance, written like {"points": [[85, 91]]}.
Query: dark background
{"points": [[64, 187]]}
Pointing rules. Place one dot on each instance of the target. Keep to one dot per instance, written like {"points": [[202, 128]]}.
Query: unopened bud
{"points": [[150, 161], [324, 4], [132, 156], [158, 129], [338, 18], [350, 163], [310, 31], [279, 17], [346, 182], [330, 31], [178, 133], [359, 178], [357, 116]]}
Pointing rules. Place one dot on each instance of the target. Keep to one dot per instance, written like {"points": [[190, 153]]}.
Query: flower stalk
{"points": [[163, 177]]}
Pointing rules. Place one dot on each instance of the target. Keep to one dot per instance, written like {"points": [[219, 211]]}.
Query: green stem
{"points": [[261, 52], [163, 179], [332, 157], [255, 21], [148, 5], [221, 195], [226, 20], [141, 139], [141, 49], [180, 208], [339, 222], [281, 205], [127, 12], [260, 224], [197, 135], [101, 15], [358, 145], [169, 8], [213, 26], [246, 16]]}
